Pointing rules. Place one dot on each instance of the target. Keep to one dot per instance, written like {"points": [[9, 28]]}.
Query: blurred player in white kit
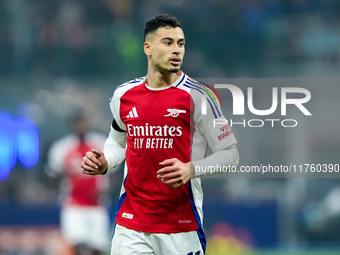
{"points": [[84, 218]]}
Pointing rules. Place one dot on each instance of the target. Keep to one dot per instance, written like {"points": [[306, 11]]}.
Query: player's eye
{"points": [[167, 43], [181, 44]]}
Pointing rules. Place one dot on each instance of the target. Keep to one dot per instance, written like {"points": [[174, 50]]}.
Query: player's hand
{"points": [[94, 162], [175, 173]]}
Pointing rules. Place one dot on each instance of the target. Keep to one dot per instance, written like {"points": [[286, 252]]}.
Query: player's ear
{"points": [[147, 48]]}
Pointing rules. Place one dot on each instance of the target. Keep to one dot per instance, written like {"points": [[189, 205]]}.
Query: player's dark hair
{"points": [[161, 20]]}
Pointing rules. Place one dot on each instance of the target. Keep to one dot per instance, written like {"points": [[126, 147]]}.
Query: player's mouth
{"points": [[175, 61]]}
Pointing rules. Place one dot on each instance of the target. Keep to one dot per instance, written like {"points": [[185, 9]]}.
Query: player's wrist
{"points": [[192, 171], [104, 168], [105, 171]]}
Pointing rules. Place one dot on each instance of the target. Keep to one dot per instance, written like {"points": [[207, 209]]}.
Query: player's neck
{"points": [[156, 79]]}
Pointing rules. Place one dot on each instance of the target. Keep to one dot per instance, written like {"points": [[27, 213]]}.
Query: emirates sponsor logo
{"points": [[147, 130], [160, 137]]}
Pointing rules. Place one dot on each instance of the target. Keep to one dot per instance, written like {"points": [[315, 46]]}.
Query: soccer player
{"points": [[84, 218], [158, 127]]}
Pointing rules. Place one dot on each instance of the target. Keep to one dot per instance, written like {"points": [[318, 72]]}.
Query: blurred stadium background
{"points": [[59, 56]]}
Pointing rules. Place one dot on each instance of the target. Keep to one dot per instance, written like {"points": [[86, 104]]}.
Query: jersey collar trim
{"points": [[175, 84]]}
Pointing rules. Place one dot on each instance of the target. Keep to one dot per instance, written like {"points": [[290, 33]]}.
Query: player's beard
{"points": [[163, 69], [174, 70]]}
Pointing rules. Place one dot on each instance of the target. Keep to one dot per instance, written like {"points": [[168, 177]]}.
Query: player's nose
{"points": [[177, 49]]}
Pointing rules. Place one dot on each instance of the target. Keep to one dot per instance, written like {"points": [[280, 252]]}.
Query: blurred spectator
{"points": [[84, 218], [93, 38]]}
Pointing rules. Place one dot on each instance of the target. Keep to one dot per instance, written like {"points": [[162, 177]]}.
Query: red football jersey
{"points": [[162, 124]]}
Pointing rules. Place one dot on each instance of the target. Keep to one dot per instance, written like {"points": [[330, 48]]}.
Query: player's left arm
{"points": [[176, 173], [216, 131], [220, 139]]}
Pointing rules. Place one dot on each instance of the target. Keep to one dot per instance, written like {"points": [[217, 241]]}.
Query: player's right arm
{"points": [[99, 162], [114, 147]]}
